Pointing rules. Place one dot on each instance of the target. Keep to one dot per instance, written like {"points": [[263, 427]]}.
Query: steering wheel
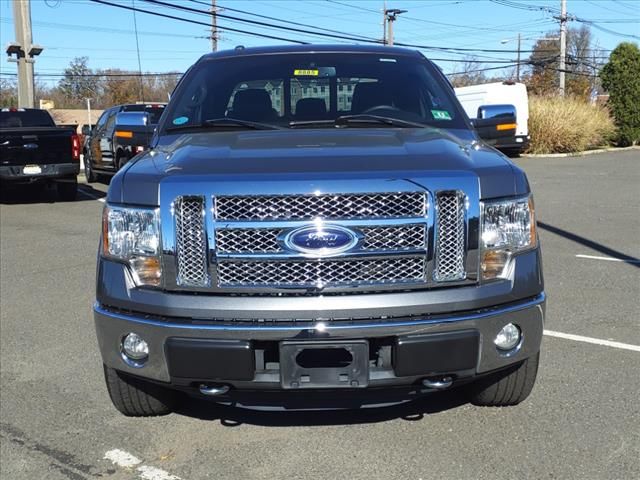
{"points": [[381, 107]]}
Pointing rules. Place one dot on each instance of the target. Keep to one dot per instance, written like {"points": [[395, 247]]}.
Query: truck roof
{"points": [[311, 48]]}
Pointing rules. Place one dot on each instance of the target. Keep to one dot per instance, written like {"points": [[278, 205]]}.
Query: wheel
{"points": [[508, 387], [121, 161], [67, 189], [89, 174], [134, 397]]}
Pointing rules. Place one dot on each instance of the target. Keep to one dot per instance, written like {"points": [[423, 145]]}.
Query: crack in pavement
{"points": [[65, 462]]}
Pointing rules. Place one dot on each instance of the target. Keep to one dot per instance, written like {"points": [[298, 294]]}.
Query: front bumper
{"points": [[15, 173], [112, 326]]}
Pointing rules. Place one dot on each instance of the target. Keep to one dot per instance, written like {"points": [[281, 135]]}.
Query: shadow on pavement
{"points": [[591, 244], [230, 416], [31, 194]]}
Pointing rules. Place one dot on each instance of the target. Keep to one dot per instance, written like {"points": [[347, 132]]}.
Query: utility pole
{"points": [[25, 51], [135, 28], [518, 62], [390, 17], [214, 26], [563, 43], [384, 22]]}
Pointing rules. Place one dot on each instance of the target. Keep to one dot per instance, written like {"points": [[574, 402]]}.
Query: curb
{"points": [[578, 154]]}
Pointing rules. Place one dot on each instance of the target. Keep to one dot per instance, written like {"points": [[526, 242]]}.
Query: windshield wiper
{"points": [[346, 120], [225, 122], [365, 118]]}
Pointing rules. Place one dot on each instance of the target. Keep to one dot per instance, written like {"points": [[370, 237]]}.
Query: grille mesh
{"points": [[248, 240], [191, 244], [450, 240], [301, 207], [321, 272], [259, 240], [394, 238]]}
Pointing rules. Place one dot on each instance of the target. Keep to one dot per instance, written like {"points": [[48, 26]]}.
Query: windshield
{"points": [[295, 89], [16, 118]]}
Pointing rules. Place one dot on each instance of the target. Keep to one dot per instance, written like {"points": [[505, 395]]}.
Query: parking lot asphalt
{"points": [[582, 420]]}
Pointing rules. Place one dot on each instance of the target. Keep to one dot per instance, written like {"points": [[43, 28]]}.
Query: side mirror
{"points": [[134, 128], [86, 130], [132, 119], [495, 122]]}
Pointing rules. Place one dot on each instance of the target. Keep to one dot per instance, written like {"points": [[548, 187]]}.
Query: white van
{"points": [[495, 99]]}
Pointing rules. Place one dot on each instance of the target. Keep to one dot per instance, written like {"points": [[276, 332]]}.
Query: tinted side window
{"points": [[111, 121], [103, 119]]}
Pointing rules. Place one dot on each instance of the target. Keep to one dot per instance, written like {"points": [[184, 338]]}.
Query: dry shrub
{"points": [[564, 125]]}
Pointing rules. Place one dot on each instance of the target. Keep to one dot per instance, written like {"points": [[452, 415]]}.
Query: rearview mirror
{"points": [[495, 121]]}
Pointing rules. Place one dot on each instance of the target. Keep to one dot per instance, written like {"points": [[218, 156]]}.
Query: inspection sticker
{"points": [[440, 115], [306, 72]]}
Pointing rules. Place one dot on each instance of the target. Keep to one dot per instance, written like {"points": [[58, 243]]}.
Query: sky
{"points": [[105, 34]]}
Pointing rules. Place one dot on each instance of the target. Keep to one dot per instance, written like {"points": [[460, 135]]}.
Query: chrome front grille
{"points": [[239, 244], [450, 243], [322, 273], [325, 206], [191, 242], [265, 240]]}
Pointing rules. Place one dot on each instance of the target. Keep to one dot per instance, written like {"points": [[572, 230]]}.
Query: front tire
{"points": [[134, 397], [89, 174], [508, 387]]}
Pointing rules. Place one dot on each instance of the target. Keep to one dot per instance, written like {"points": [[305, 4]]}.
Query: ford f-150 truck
{"points": [[317, 226], [34, 150]]}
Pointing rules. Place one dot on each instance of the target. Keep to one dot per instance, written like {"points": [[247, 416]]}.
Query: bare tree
{"points": [[469, 72]]}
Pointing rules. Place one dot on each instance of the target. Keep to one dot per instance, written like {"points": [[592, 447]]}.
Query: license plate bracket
{"points": [[324, 364]]}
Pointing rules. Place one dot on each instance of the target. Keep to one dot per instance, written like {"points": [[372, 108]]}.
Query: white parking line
{"points": [[607, 259], [153, 473], [122, 459], [145, 472], [595, 341]]}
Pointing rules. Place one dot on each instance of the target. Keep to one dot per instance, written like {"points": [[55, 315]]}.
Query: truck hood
{"points": [[323, 155]]}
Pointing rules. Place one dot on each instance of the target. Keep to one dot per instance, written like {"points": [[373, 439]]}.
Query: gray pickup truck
{"points": [[317, 226]]}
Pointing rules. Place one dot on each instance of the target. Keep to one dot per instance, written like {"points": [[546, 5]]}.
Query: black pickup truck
{"points": [[34, 150], [109, 147]]}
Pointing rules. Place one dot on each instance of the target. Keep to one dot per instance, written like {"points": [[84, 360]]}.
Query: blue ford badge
{"points": [[321, 240]]}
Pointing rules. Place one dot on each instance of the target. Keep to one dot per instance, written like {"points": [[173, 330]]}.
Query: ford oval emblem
{"points": [[321, 240]]}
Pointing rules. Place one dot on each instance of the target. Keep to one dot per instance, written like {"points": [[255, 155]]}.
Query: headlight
{"points": [[508, 227], [132, 235]]}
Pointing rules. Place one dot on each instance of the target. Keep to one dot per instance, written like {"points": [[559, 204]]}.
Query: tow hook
{"points": [[213, 390], [439, 383]]}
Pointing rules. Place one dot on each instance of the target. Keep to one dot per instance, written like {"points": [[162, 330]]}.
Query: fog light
{"points": [[134, 347], [508, 338]]}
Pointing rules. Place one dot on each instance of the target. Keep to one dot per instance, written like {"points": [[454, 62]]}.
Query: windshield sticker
{"points": [[306, 72], [440, 115], [180, 120]]}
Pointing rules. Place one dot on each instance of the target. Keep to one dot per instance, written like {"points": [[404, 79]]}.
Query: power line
{"points": [[326, 35], [275, 19], [195, 22], [262, 24]]}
